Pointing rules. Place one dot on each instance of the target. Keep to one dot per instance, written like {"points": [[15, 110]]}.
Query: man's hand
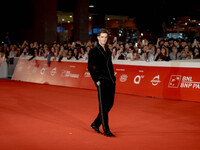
{"points": [[98, 83]]}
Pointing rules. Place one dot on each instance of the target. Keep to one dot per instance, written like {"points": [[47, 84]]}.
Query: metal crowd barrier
{"points": [[7, 68]]}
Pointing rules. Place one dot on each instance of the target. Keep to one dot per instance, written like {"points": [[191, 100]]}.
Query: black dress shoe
{"points": [[96, 129], [109, 134]]}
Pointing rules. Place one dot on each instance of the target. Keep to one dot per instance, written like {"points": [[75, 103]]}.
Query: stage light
{"points": [[91, 6]]}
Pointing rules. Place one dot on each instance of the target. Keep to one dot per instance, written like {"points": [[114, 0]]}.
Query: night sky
{"points": [[148, 14], [138, 7]]}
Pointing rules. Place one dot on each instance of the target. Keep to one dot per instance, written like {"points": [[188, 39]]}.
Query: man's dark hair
{"points": [[102, 30]]}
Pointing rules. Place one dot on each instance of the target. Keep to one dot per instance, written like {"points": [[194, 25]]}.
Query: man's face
{"points": [[102, 38]]}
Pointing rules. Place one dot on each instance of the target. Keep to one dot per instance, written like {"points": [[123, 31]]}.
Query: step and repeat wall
{"points": [[172, 80]]}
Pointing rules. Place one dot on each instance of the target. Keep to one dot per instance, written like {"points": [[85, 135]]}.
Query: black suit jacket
{"points": [[100, 64]]}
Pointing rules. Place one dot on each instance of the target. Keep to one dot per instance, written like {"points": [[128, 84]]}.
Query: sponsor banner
{"points": [[63, 73], [165, 82]]}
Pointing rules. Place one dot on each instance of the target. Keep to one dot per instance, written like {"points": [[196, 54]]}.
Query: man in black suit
{"points": [[101, 69]]}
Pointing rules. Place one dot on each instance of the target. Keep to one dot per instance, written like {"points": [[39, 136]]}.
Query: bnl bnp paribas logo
{"points": [[177, 81]]}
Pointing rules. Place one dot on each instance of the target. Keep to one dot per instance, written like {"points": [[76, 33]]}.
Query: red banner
{"points": [[165, 82], [156, 81]]}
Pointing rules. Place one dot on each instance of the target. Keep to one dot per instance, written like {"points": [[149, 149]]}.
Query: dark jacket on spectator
{"points": [[162, 57]]}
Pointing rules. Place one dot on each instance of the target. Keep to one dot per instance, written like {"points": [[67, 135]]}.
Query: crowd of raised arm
{"points": [[162, 50]]}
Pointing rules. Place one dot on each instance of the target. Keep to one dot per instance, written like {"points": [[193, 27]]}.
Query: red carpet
{"points": [[44, 117]]}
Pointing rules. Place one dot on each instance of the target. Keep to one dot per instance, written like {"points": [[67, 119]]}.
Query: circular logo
{"points": [[123, 78], [155, 80], [137, 79], [53, 71]]}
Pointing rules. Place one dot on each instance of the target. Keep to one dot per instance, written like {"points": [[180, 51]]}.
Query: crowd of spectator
{"points": [[143, 50]]}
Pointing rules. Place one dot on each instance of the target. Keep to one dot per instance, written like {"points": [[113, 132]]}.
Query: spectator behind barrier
{"points": [[174, 55], [162, 50]]}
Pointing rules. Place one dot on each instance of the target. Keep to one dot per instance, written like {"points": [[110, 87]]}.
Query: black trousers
{"points": [[106, 94]]}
